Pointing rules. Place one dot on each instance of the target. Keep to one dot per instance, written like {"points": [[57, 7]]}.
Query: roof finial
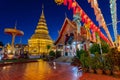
{"points": [[15, 24], [65, 15], [42, 8], [20, 40]]}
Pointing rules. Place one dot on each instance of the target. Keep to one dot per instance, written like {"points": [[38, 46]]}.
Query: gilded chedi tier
{"points": [[40, 40]]}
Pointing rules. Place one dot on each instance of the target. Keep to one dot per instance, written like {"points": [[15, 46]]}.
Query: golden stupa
{"points": [[40, 41]]}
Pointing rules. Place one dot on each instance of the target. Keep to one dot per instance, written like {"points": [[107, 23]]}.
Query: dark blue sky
{"points": [[27, 14]]}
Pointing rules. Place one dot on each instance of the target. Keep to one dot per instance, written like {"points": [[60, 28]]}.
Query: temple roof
{"points": [[66, 21]]}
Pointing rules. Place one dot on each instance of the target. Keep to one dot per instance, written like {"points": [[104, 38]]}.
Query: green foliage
{"points": [[85, 59], [109, 61], [96, 48], [52, 53], [79, 52], [48, 47], [113, 57], [97, 61], [105, 47], [92, 62]]}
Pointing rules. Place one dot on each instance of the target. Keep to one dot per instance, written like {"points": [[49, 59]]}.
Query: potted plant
{"points": [[107, 66], [116, 71], [85, 60], [92, 65], [99, 68]]}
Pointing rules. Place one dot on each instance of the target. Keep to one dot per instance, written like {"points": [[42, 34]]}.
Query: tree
{"points": [[105, 47], [52, 53], [48, 47], [96, 47], [79, 52]]}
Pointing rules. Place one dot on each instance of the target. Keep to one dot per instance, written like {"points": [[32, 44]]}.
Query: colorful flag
{"points": [[87, 27]]}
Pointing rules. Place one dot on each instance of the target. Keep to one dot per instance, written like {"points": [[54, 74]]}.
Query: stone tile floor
{"points": [[46, 71]]}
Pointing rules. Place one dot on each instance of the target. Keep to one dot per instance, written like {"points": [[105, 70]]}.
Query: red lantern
{"points": [[88, 20], [59, 2], [74, 4], [91, 25]]}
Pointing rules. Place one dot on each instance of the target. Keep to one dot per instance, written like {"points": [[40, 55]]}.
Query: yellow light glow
{"points": [[59, 2], [40, 39]]}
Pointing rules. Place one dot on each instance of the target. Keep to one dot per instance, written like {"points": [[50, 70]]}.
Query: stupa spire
{"points": [[42, 9], [41, 31], [42, 14], [41, 38], [42, 23], [65, 15]]}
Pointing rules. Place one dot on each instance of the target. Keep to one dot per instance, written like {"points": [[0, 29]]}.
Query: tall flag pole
{"points": [[100, 18], [114, 16]]}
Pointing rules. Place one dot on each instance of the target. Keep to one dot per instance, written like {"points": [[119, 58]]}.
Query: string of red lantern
{"points": [[100, 18], [72, 4]]}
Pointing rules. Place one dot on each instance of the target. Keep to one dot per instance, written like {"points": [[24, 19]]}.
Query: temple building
{"points": [[40, 41], [69, 40]]}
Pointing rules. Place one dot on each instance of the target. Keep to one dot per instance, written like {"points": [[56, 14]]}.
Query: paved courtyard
{"points": [[46, 71]]}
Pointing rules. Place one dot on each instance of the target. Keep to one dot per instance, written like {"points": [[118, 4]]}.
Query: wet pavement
{"points": [[46, 71], [38, 71]]}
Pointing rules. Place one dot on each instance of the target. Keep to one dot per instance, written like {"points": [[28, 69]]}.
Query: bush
{"points": [[52, 53], [113, 57], [80, 52], [85, 59], [96, 48]]}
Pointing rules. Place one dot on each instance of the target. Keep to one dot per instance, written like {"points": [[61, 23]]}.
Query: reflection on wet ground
{"points": [[38, 71]]}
